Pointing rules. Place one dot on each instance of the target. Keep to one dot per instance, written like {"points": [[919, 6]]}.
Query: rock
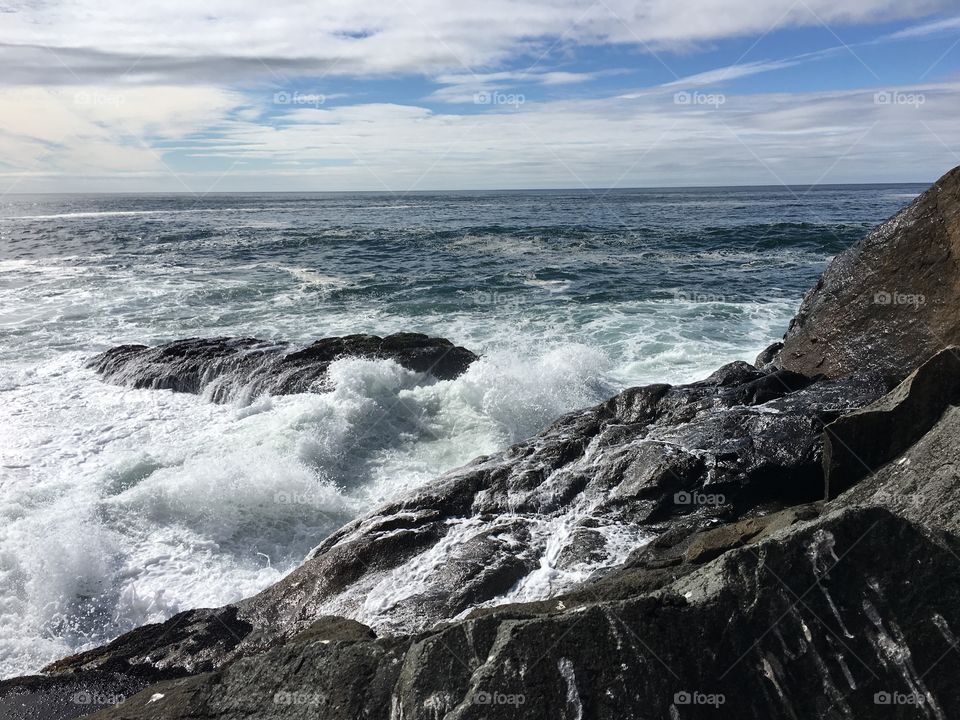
{"points": [[923, 484], [537, 518], [65, 697], [225, 367], [779, 629], [890, 302], [860, 442], [768, 355]]}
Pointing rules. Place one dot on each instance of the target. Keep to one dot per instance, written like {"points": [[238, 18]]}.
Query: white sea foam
{"points": [[119, 507]]}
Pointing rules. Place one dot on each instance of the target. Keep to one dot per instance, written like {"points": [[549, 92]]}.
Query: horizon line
{"points": [[187, 193]]}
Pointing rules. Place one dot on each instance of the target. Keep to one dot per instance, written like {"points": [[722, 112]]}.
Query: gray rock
{"points": [[226, 367], [817, 620], [860, 442], [890, 302], [531, 521]]}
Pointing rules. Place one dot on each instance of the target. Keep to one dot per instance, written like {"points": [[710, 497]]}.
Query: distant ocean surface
{"points": [[120, 507]]}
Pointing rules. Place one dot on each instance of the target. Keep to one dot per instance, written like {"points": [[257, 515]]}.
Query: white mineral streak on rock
{"points": [[823, 557], [573, 695], [892, 649]]}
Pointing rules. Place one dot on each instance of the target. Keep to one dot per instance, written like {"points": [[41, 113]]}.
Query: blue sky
{"points": [[432, 94]]}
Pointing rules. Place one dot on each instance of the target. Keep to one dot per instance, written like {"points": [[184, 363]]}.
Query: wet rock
{"points": [[780, 629], [189, 642], [550, 512], [768, 355], [890, 302], [923, 484], [861, 442], [65, 697], [225, 367]]}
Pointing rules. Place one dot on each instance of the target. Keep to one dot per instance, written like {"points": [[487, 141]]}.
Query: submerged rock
{"points": [[225, 367]]}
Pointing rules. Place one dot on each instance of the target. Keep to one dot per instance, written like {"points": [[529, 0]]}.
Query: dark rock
{"points": [[768, 355], [38, 697], [890, 302], [769, 387], [860, 442], [583, 494], [334, 629], [189, 642], [226, 367], [780, 629], [301, 679], [923, 484]]}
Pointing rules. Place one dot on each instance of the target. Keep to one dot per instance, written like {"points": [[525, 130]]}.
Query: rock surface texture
{"points": [[666, 554]]}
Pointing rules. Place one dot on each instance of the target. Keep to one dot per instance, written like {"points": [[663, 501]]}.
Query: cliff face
{"points": [[664, 554], [891, 301]]}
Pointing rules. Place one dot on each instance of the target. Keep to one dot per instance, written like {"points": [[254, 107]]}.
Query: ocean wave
{"points": [[158, 499]]}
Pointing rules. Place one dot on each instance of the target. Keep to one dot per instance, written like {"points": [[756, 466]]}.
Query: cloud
{"points": [[848, 136], [176, 42], [97, 130], [931, 28], [466, 87]]}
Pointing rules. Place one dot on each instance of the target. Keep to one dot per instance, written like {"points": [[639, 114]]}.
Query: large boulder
{"points": [[891, 301], [225, 367]]}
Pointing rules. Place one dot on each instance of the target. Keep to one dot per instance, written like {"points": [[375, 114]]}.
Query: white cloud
{"points": [[754, 139], [96, 130], [930, 28], [465, 87], [180, 41]]}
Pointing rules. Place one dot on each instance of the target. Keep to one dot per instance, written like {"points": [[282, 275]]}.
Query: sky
{"points": [[407, 95]]}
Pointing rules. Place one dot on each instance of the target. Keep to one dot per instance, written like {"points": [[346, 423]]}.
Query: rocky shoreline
{"points": [[779, 540]]}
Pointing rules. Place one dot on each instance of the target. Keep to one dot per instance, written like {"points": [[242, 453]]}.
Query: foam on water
{"points": [[121, 507]]}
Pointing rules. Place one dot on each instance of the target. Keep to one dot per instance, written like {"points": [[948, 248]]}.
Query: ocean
{"points": [[120, 507]]}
